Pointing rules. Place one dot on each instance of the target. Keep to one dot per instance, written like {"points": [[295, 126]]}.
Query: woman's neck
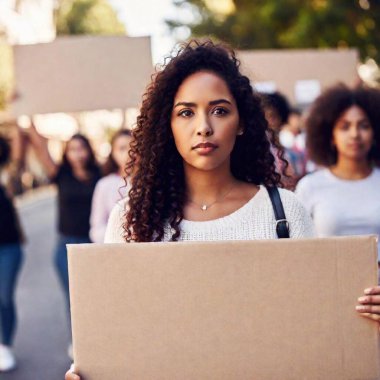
{"points": [[351, 169], [206, 187]]}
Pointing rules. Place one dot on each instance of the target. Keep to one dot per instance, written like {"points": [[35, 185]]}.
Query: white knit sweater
{"points": [[255, 220]]}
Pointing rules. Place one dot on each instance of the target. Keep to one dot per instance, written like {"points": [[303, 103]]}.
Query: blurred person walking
{"points": [[292, 137], [11, 257], [343, 135], [276, 109], [111, 188], [75, 177]]}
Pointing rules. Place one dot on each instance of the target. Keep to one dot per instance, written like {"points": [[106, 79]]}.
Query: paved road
{"points": [[43, 334]]}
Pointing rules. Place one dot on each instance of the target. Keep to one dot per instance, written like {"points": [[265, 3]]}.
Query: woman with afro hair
{"points": [[343, 135], [201, 159]]}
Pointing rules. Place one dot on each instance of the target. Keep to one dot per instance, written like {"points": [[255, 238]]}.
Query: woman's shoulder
{"points": [[376, 173], [289, 198], [109, 180], [316, 176], [313, 180], [297, 215], [115, 225]]}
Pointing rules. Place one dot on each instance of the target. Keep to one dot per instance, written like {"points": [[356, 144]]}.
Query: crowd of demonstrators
{"points": [[112, 187], [343, 136], [11, 256], [201, 160]]}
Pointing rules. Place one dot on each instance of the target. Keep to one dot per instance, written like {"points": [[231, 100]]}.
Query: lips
{"points": [[205, 148], [205, 145], [355, 145]]}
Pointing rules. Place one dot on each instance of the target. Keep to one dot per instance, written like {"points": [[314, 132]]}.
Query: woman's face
{"points": [[205, 121], [353, 134], [77, 153], [120, 150]]}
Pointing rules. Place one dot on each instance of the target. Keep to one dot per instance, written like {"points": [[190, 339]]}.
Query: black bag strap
{"points": [[282, 225]]}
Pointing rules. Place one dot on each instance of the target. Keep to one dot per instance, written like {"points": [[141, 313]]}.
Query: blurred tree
{"points": [[247, 24], [87, 17]]}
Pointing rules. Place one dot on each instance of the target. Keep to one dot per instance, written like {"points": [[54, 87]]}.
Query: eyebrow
{"points": [[212, 103], [363, 119]]}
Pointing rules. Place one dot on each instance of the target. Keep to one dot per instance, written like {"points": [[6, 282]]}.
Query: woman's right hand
{"points": [[71, 375]]}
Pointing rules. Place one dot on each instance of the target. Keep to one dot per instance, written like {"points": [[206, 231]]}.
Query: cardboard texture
{"points": [[263, 310], [286, 67], [86, 73]]}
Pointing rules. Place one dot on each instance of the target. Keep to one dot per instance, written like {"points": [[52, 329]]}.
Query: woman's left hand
{"points": [[369, 304]]}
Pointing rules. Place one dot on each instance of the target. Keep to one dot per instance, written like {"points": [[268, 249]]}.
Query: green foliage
{"points": [[6, 74], [87, 17], [265, 24]]}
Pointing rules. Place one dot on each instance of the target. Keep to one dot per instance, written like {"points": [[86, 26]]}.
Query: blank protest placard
{"points": [[73, 74], [277, 309]]}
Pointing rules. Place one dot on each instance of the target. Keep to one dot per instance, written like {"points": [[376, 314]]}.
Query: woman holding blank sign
{"points": [[202, 159]]}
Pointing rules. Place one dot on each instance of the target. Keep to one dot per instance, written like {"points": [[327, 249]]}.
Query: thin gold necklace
{"points": [[205, 207]]}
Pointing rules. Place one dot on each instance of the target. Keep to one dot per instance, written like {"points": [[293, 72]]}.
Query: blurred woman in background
{"points": [[75, 177], [111, 188], [276, 109], [343, 135]]}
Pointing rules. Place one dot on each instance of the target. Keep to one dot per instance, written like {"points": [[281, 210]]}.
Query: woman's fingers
{"points": [[373, 290], [70, 375], [373, 317], [373, 309], [373, 300]]}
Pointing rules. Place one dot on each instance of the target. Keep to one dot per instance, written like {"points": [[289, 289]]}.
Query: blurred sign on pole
{"points": [[289, 69], [268, 87], [86, 73], [306, 91]]}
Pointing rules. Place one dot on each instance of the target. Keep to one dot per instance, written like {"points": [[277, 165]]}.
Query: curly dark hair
{"points": [[5, 151], [158, 191], [327, 109], [110, 166], [91, 165]]}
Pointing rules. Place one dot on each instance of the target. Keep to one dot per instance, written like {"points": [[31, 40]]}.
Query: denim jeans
{"points": [[60, 261], [10, 264]]}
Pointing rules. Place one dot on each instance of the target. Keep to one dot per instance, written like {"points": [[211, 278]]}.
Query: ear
{"points": [[240, 131]]}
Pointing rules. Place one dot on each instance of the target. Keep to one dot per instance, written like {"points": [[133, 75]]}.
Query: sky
{"points": [[141, 18], [147, 17]]}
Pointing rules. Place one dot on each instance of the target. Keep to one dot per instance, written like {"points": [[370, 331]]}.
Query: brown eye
{"points": [[365, 125], [220, 111], [185, 113], [344, 126]]}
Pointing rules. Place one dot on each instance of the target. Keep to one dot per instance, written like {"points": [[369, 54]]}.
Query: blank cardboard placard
{"points": [[285, 67], [263, 310], [86, 73]]}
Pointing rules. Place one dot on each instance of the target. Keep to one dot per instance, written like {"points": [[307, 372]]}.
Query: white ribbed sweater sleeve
{"points": [[114, 231], [255, 220]]}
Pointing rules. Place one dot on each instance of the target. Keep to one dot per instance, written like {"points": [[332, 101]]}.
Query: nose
{"points": [[354, 131], [204, 127]]}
